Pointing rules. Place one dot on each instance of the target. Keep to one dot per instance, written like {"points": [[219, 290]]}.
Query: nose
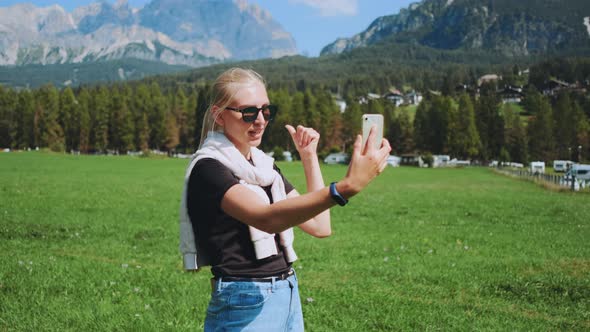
{"points": [[259, 118]]}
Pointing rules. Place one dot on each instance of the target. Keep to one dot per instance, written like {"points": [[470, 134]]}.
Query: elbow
{"points": [[323, 233]]}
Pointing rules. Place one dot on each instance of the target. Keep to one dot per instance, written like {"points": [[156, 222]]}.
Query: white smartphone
{"points": [[368, 121]]}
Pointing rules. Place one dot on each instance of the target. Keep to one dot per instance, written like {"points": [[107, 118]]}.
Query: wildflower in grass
{"points": [[138, 266], [386, 259], [124, 266], [466, 247], [309, 300], [136, 289], [21, 262]]}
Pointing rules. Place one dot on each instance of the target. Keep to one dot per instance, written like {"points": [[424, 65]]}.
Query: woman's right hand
{"points": [[366, 163]]}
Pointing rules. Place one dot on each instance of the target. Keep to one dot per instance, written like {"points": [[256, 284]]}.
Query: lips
{"points": [[255, 133]]}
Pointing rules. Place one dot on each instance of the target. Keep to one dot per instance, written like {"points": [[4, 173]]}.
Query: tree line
{"points": [[143, 116]]}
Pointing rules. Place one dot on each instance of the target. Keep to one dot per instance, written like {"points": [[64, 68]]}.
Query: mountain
{"points": [[174, 32], [513, 28]]}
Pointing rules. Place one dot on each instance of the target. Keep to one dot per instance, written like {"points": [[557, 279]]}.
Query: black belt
{"points": [[282, 276]]}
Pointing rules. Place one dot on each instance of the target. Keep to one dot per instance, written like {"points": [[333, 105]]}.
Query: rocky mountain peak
{"points": [[514, 28], [189, 32]]}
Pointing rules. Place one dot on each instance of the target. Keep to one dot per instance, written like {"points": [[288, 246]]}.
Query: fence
{"points": [[554, 179]]}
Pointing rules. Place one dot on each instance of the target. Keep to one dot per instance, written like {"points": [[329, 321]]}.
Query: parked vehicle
{"points": [[336, 158], [580, 171], [562, 165], [537, 167]]}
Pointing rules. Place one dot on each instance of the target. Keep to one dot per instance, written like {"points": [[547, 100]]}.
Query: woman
{"points": [[242, 209]]}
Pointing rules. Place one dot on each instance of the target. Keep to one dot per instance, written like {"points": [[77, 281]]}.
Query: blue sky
{"points": [[313, 23]]}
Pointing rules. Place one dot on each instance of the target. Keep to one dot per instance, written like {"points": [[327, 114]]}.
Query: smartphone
{"points": [[368, 121]]}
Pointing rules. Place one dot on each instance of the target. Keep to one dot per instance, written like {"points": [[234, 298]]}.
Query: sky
{"points": [[312, 23]]}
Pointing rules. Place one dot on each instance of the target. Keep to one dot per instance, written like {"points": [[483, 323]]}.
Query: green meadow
{"points": [[90, 243]]}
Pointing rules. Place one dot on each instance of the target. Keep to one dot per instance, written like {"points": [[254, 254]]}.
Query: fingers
{"points": [[357, 147], [385, 145], [370, 140], [302, 136], [290, 129]]}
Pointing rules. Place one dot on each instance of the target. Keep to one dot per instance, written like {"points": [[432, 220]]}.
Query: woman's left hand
{"points": [[305, 140]]}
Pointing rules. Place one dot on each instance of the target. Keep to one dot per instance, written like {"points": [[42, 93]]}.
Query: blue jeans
{"points": [[255, 306]]}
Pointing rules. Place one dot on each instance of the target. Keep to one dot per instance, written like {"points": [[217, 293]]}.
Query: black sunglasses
{"points": [[249, 114]]}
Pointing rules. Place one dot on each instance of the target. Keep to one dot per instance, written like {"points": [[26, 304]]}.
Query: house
{"points": [[336, 158], [341, 103], [394, 96], [488, 79], [414, 98], [511, 94], [553, 86]]}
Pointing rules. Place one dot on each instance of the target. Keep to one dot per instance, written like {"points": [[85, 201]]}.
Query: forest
{"points": [[166, 115]]}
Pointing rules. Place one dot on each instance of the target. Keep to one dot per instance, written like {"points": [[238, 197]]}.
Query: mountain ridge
{"points": [[512, 28], [163, 30]]}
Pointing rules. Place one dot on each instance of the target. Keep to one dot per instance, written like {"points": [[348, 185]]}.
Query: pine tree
{"points": [[122, 126], [180, 110], [463, 138], [564, 125], [24, 119], [540, 132], [352, 120], [489, 122], [157, 117], [101, 116], [69, 118], [52, 134], [141, 105], [200, 110], [172, 133], [422, 128], [8, 102], [84, 100], [515, 136]]}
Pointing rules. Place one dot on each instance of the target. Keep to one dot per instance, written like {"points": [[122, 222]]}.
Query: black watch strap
{"points": [[336, 195]]}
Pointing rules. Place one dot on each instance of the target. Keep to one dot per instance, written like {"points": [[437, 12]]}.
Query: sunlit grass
{"points": [[90, 243]]}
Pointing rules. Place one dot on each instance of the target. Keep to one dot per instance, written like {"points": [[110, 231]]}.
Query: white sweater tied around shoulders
{"points": [[261, 174]]}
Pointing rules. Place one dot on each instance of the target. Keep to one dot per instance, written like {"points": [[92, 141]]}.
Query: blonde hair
{"points": [[225, 87]]}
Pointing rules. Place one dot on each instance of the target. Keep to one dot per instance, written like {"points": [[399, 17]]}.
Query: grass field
{"points": [[90, 244]]}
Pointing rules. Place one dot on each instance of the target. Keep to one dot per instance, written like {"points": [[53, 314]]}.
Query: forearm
{"points": [[239, 203], [318, 225]]}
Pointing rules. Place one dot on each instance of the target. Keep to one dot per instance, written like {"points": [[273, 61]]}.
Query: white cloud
{"points": [[331, 7]]}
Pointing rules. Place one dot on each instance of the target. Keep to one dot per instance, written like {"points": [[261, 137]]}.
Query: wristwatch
{"points": [[336, 195]]}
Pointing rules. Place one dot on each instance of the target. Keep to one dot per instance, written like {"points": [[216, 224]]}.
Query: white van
{"points": [[562, 165], [580, 171], [538, 167]]}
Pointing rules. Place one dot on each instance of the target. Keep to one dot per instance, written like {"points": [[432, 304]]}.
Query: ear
{"points": [[218, 120]]}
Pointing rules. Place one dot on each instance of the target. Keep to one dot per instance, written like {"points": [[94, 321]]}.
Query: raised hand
{"points": [[366, 163], [305, 140]]}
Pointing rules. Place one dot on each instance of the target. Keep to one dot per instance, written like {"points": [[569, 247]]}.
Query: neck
{"points": [[244, 149]]}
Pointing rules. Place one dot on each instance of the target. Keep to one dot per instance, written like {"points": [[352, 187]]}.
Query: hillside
{"points": [[512, 28]]}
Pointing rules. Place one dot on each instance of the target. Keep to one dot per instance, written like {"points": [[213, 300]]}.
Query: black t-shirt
{"points": [[226, 239]]}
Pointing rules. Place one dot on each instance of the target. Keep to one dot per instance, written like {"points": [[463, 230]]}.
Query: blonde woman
{"points": [[238, 210]]}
